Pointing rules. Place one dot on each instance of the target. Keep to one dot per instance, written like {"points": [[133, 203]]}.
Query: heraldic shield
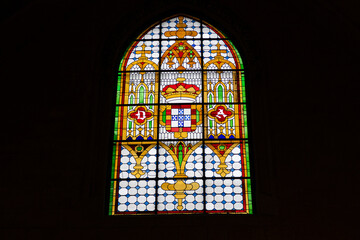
{"points": [[180, 118]]}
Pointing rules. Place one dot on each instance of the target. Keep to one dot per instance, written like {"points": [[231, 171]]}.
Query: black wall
{"points": [[58, 62]]}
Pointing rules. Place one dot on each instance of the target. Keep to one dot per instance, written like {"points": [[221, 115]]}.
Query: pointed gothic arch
{"points": [[181, 116]]}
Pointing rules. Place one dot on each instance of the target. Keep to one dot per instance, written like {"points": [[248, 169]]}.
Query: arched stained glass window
{"points": [[180, 139]]}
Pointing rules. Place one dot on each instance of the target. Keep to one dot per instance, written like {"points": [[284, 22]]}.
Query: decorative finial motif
{"points": [[143, 60], [143, 52], [179, 187], [218, 59], [218, 52], [180, 80], [181, 32], [181, 49]]}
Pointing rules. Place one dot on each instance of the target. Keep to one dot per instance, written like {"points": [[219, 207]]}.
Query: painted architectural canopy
{"points": [[180, 137]]}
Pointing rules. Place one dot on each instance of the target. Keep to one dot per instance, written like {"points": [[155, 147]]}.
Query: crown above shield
{"points": [[180, 92]]}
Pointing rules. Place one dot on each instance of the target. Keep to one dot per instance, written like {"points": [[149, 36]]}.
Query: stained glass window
{"points": [[180, 137]]}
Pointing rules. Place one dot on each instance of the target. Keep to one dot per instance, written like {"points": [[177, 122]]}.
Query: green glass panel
{"points": [[141, 94], [210, 100], [245, 121], [231, 123], [164, 116], [197, 116], [131, 99], [115, 131], [111, 199], [220, 93], [118, 89], [180, 154], [243, 87], [151, 101], [211, 123], [122, 61], [117, 97], [130, 125], [118, 83], [247, 159], [249, 195], [112, 175], [116, 123], [230, 100], [113, 161], [150, 124]]}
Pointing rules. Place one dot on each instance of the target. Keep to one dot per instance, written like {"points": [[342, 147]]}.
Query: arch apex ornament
{"points": [[181, 32], [180, 137]]}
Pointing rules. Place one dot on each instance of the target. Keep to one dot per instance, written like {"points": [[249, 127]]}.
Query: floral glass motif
{"points": [[180, 136]]}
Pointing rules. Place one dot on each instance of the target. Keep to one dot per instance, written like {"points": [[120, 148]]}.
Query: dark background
{"points": [[58, 62]]}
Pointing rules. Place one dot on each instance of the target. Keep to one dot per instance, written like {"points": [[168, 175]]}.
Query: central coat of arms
{"points": [[181, 118]]}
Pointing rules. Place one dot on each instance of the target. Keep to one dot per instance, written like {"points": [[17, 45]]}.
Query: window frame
{"points": [[241, 71]]}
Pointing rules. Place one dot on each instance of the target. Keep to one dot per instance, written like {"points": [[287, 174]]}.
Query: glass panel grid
{"points": [[180, 124]]}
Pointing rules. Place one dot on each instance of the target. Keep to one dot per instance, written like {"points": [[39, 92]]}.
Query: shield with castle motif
{"points": [[180, 118]]}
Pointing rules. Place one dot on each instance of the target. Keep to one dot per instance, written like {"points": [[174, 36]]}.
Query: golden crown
{"points": [[180, 92]]}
